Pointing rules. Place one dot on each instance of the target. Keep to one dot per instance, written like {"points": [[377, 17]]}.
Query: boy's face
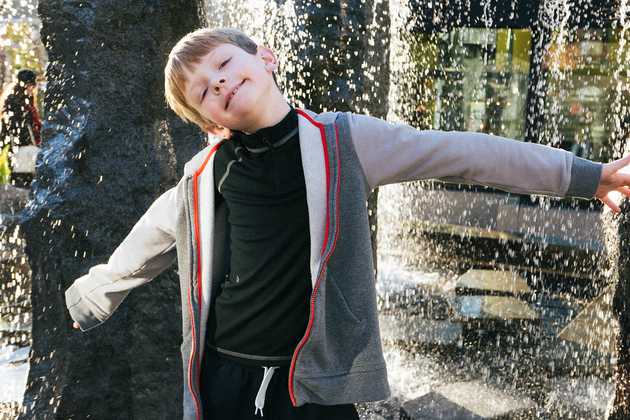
{"points": [[229, 86]]}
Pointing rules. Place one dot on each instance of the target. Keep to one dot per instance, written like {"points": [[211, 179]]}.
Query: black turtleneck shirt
{"points": [[262, 306]]}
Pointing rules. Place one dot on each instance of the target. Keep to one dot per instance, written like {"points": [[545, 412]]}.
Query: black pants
{"points": [[228, 392]]}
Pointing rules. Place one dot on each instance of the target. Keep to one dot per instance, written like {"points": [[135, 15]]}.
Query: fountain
{"points": [[461, 67]]}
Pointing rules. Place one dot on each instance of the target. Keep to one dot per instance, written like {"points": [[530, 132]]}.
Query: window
{"points": [[582, 75], [475, 79], [480, 79]]}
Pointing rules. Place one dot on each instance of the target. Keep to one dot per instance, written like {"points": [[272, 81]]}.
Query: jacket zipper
{"points": [[195, 236], [324, 263], [191, 359]]}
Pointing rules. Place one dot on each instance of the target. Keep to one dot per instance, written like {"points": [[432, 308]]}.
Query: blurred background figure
{"points": [[20, 127]]}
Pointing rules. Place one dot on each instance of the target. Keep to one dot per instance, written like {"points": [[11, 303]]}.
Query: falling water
{"points": [[433, 240]]}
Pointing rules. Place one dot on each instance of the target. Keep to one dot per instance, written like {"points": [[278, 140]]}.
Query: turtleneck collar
{"points": [[275, 135]]}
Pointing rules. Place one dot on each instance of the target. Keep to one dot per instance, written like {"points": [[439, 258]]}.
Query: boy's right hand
{"points": [[75, 325]]}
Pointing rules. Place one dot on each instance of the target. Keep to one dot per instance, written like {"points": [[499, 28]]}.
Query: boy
{"points": [[271, 233]]}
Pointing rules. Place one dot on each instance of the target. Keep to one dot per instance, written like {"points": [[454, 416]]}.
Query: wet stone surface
{"points": [[512, 363], [435, 406], [466, 400], [579, 398], [490, 281]]}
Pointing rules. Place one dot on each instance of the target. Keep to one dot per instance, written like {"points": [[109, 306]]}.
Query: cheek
{"points": [[213, 107], [255, 71], [210, 111], [257, 84]]}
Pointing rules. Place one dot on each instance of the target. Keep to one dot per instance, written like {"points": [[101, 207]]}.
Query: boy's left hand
{"points": [[614, 183]]}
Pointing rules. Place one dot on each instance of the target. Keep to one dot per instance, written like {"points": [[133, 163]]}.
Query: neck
{"points": [[276, 108]]}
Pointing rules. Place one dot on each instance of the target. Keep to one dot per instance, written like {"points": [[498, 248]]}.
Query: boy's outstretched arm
{"points": [[392, 153], [147, 250]]}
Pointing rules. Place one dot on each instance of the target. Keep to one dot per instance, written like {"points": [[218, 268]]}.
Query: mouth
{"points": [[232, 93]]}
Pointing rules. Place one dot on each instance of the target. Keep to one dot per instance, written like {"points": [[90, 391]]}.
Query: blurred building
{"points": [[554, 73]]}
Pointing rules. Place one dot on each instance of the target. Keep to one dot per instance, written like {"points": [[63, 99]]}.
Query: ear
{"points": [[215, 130], [267, 55]]}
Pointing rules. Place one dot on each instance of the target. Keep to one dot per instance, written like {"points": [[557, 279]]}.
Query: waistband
{"points": [[267, 374], [250, 359]]}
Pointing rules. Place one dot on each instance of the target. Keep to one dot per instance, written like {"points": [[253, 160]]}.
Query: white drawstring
{"points": [[260, 397]]}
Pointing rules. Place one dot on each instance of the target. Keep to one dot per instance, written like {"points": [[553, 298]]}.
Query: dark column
{"points": [[618, 249], [110, 148], [617, 245], [340, 61], [618, 228]]}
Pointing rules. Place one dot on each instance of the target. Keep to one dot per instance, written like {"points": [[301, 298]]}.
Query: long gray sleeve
{"points": [[146, 251], [392, 153]]}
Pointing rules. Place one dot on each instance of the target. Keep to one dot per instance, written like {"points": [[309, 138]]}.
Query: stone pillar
{"points": [[110, 148], [338, 59], [618, 228]]}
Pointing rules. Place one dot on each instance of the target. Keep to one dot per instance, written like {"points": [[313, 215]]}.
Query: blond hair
{"points": [[188, 52]]}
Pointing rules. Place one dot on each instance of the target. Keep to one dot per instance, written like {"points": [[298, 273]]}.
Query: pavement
{"points": [[484, 345]]}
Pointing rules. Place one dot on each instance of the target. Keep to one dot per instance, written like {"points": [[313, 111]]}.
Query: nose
{"points": [[218, 84]]}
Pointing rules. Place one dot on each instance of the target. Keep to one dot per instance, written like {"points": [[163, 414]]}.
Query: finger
{"points": [[620, 163], [611, 204], [614, 180], [624, 190], [619, 180], [624, 178]]}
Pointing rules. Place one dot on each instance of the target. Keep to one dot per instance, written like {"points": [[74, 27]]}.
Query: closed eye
{"points": [[225, 62], [203, 95]]}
